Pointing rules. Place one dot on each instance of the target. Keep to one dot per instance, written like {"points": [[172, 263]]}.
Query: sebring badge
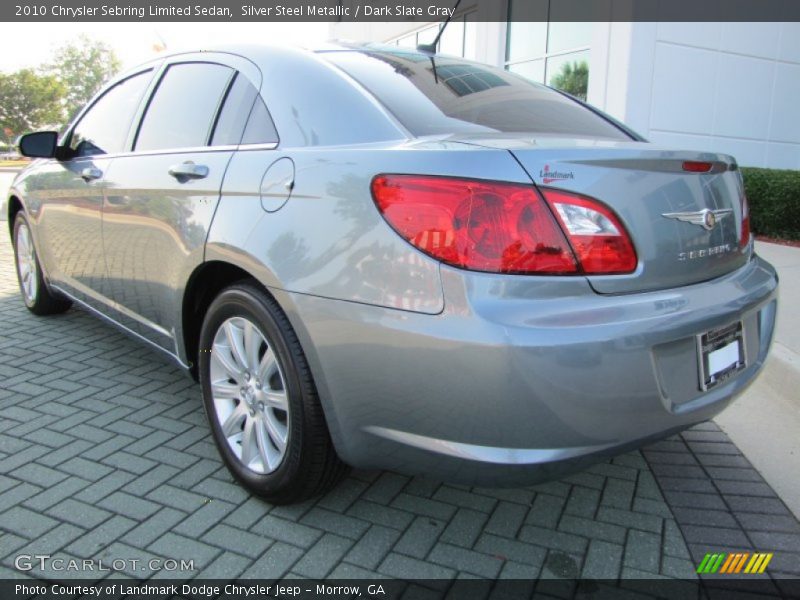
{"points": [[705, 218], [704, 252]]}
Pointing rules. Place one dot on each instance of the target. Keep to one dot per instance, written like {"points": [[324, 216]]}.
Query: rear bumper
{"points": [[517, 381]]}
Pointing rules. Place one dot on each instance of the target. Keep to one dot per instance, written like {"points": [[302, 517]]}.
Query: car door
{"points": [[70, 191], [161, 197]]}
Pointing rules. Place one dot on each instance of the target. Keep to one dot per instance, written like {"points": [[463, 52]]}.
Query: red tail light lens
{"points": [[487, 226], [477, 225], [745, 237], [600, 242]]}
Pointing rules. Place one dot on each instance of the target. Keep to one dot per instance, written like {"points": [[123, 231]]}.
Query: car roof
{"points": [[258, 51]]}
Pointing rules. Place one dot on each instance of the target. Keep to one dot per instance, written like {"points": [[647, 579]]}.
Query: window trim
{"points": [[187, 150], [221, 106]]}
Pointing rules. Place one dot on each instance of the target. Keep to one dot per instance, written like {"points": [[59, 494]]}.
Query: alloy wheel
{"points": [[26, 263], [249, 395]]}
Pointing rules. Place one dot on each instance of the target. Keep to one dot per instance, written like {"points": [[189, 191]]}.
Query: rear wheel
{"points": [[39, 299], [261, 401]]}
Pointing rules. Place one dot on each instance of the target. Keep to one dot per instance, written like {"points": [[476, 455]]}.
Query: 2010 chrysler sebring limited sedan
{"points": [[389, 258]]}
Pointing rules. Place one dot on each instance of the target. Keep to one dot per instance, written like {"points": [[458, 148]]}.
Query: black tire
{"points": [[43, 301], [310, 465]]}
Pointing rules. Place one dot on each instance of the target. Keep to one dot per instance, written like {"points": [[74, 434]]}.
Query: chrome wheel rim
{"points": [[249, 394], [26, 264]]}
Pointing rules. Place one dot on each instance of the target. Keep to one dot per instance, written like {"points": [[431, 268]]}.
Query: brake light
{"points": [[694, 166], [745, 237], [495, 227]]}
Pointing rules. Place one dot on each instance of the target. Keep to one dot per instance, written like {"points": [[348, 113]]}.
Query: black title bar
{"points": [[392, 589], [397, 10]]}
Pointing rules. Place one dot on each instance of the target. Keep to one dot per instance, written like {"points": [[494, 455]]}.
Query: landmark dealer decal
{"points": [[549, 176]]}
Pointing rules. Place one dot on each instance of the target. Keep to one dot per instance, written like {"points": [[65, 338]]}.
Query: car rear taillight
{"points": [[745, 237], [601, 244], [502, 227]]}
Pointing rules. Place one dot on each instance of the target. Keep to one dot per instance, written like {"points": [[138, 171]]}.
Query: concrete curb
{"points": [[783, 370]]}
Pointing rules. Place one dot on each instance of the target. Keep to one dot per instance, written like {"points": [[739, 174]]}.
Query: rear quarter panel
{"points": [[329, 246], [329, 239]]}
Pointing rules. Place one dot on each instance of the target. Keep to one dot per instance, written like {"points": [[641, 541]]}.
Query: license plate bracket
{"points": [[721, 354]]}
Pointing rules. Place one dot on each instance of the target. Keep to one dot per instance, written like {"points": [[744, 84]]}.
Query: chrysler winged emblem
{"points": [[705, 218]]}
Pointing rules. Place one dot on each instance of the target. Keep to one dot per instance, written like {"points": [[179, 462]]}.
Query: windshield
{"points": [[443, 95]]}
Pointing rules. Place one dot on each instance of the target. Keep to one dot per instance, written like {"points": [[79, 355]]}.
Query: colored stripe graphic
{"points": [[711, 563], [741, 562], [704, 563], [732, 559], [759, 562], [733, 563]]}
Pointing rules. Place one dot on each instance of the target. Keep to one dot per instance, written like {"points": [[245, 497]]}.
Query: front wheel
{"points": [[39, 299], [260, 399]]}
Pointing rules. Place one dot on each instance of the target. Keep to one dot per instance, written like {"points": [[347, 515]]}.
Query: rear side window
{"points": [[442, 95], [104, 127], [260, 128], [182, 110], [244, 117]]}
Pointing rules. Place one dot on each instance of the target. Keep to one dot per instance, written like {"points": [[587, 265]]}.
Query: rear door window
{"points": [[444, 95], [103, 129], [183, 109]]}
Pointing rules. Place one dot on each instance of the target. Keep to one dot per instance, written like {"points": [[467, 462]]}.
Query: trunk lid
{"points": [[664, 207]]}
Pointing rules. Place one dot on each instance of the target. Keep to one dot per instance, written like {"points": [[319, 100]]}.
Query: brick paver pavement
{"points": [[105, 453]]}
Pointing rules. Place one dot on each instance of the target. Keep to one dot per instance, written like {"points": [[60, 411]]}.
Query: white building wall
{"points": [[726, 87], [371, 32]]}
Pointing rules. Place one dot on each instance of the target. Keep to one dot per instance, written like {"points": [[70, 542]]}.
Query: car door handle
{"points": [[91, 173], [188, 170]]}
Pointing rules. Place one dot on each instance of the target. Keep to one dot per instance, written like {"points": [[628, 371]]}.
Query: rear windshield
{"points": [[443, 95]]}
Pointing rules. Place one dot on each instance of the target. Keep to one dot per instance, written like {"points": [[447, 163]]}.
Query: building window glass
{"points": [[530, 69], [452, 41], [526, 40], [551, 52]]}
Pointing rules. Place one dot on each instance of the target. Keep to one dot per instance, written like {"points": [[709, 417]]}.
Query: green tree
{"points": [[82, 67], [29, 101], [573, 79]]}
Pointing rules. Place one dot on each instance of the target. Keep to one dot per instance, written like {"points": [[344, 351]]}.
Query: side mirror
{"points": [[41, 144]]}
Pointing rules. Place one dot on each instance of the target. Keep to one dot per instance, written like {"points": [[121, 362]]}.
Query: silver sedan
{"points": [[382, 257]]}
